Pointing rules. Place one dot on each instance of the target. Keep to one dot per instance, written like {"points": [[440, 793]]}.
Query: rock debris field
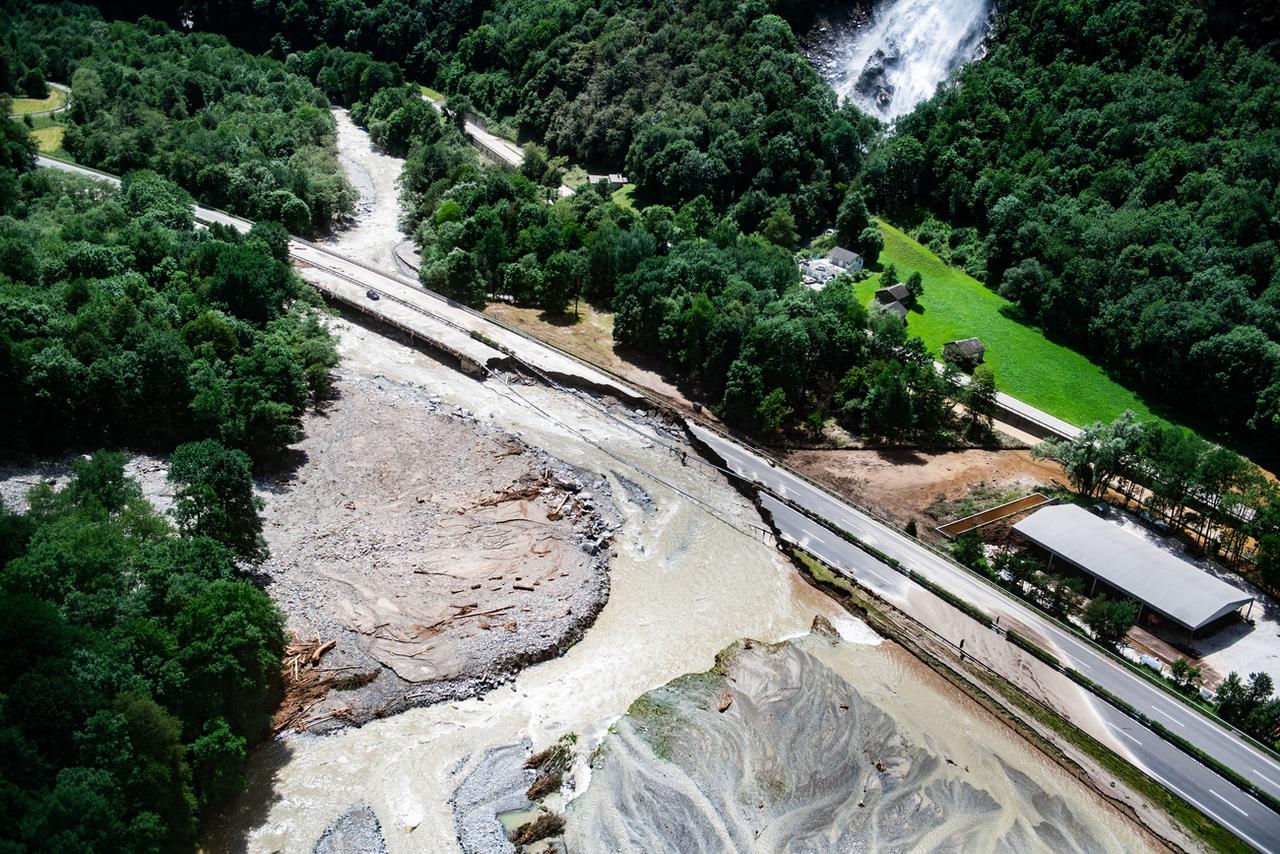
{"points": [[425, 555]]}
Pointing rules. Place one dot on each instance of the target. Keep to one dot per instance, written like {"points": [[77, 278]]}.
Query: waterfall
{"points": [[906, 49]]}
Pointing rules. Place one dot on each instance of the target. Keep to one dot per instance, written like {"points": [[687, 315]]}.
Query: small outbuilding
{"points": [[966, 353], [894, 293], [898, 309], [845, 259], [613, 179]]}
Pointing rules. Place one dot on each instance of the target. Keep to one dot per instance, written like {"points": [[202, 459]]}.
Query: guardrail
{"points": [[640, 396], [1044, 656]]}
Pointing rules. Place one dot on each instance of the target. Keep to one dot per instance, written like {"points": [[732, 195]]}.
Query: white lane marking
{"points": [[1265, 777], [1228, 803], [1170, 717], [1126, 735], [1204, 809], [1080, 648], [812, 538]]}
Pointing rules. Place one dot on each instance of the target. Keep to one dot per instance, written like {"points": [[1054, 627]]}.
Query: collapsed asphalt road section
{"points": [[477, 338]]}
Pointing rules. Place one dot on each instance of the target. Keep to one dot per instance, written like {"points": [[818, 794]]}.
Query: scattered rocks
{"points": [[441, 552], [496, 785], [356, 831]]}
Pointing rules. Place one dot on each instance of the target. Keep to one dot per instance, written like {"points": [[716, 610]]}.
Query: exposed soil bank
{"points": [[439, 553], [930, 487], [811, 744]]}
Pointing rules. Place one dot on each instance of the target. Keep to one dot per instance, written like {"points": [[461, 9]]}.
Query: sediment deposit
{"points": [[772, 751], [438, 554]]}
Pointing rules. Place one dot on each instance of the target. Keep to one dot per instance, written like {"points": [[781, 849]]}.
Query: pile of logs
{"points": [[305, 682]]}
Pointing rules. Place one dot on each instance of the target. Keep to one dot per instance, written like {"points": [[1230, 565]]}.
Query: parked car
{"points": [[372, 294], [1160, 526]]}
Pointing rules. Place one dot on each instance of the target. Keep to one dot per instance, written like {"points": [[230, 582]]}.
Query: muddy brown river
{"points": [[692, 574], [693, 571]]}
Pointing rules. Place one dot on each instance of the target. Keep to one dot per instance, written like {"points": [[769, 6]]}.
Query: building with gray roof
{"points": [[1175, 589], [845, 259]]}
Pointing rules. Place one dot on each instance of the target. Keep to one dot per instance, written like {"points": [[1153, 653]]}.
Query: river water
{"points": [[687, 581], [685, 584], [693, 572]]}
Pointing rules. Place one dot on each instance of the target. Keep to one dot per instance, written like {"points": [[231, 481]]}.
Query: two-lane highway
{"points": [[455, 326], [1235, 809]]}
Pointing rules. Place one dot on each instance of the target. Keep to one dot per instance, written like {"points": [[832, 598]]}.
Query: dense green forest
{"points": [[239, 132], [725, 311], [123, 324], [710, 98], [1111, 166], [138, 664], [1122, 160], [1114, 168]]}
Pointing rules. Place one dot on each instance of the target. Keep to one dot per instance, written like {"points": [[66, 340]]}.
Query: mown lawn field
{"points": [[624, 196], [49, 140], [22, 106], [1027, 365]]}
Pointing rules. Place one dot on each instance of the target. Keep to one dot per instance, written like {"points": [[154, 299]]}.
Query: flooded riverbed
{"points": [[685, 583], [692, 571]]}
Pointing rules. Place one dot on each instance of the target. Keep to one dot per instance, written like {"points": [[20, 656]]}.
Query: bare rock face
{"points": [[356, 831], [798, 761], [874, 83]]}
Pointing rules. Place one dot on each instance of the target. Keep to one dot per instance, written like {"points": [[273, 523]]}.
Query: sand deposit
{"points": [[438, 553], [807, 745], [775, 750], [373, 232]]}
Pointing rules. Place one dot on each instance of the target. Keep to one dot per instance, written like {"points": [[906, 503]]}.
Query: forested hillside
{"points": [[122, 324], [138, 664], [723, 310], [238, 131], [1112, 167], [709, 98], [1122, 160]]}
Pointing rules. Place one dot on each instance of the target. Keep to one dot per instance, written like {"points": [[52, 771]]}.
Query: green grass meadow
{"points": [[1027, 365], [56, 98]]}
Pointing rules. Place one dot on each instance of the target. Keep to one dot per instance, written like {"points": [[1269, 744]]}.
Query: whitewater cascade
{"points": [[898, 59]]}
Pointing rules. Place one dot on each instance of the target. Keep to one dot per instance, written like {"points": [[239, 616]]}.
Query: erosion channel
{"points": [[569, 518]]}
